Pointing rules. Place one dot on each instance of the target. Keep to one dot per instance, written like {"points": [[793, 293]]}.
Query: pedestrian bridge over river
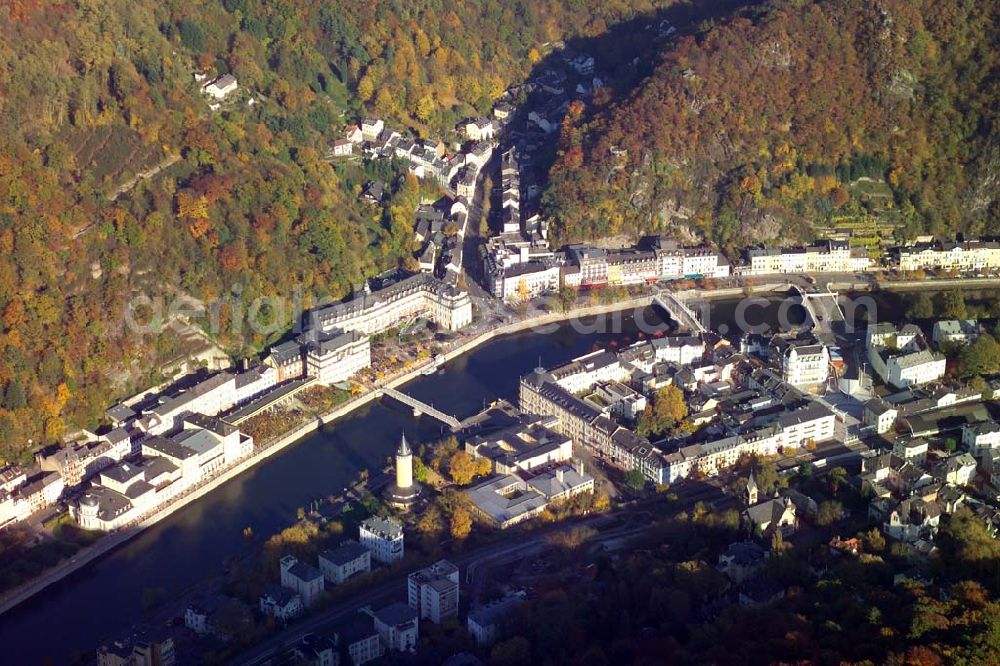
{"points": [[420, 407], [679, 312]]}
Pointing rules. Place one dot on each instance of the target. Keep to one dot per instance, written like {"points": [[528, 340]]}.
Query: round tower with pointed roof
{"points": [[404, 464], [405, 491]]}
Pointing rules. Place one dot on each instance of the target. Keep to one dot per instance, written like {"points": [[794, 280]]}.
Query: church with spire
{"points": [[405, 491]]}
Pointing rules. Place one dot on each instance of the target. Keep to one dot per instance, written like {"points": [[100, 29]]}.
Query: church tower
{"points": [[404, 464], [750, 493]]}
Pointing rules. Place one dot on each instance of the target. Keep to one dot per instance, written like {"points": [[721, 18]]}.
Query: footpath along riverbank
{"points": [[110, 542]]}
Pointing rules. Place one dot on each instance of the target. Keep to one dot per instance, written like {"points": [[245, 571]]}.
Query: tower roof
{"points": [[751, 482], [404, 446]]}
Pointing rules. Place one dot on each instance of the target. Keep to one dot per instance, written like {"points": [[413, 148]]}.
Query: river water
{"points": [[102, 600]]}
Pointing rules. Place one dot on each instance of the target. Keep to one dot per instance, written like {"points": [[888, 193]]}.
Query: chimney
{"points": [[579, 467], [560, 474]]}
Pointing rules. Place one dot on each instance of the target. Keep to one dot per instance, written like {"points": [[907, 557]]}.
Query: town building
{"points": [[398, 627], [531, 442], [342, 148], [742, 561], [486, 623], [360, 640], [880, 415], [129, 490], [142, 648], [281, 603], [563, 482], [383, 537], [317, 650], [344, 561], [955, 331], [978, 438], [505, 501], [967, 256], [434, 591], [333, 356], [419, 295], [901, 357], [805, 365], [823, 256], [302, 578]]}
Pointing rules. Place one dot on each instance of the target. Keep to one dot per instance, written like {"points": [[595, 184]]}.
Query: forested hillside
{"points": [[793, 115], [94, 93]]}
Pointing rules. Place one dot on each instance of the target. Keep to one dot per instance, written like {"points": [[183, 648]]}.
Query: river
{"points": [[102, 600]]}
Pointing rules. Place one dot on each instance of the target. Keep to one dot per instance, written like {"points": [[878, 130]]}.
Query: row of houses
{"points": [[166, 467], [823, 256], [520, 269]]}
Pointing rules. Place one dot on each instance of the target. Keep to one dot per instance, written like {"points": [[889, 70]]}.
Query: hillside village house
{"points": [[221, 87], [477, 129], [342, 148]]}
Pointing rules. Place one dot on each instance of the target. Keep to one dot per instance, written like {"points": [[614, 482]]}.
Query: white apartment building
{"points": [[307, 581], [21, 493], [806, 365], [794, 429], [527, 280], [433, 591], [371, 128], [961, 331], [336, 356], [965, 256], [824, 256], [477, 129], [419, 295], [979, 438], [704, 262], [880, 415], [254, 382], [210, 396], [361, 640], [901, 357], [383, 537], [911, 450], [914, 369], [344, 561], [398, 627]]}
